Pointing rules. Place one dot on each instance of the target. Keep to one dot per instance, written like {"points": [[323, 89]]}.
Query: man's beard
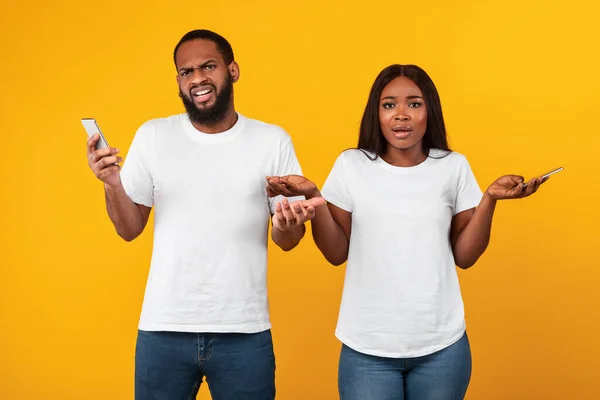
{"points": [[215, 113]]}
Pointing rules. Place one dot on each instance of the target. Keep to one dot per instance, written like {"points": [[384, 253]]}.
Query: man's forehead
{"points": [[198, 50]]}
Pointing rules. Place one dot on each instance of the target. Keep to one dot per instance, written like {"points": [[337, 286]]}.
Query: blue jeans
{"points": [[172, 365], [443, 375]]}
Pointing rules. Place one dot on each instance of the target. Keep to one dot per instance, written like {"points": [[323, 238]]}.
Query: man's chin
{"points": [[204, 107]]}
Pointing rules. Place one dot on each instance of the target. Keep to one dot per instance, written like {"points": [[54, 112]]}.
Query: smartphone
{"points": [[91, 127], [546, 175]]}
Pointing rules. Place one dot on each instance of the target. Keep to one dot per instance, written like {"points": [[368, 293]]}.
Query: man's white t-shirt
{"points": [[209, 259], [401, 293]]}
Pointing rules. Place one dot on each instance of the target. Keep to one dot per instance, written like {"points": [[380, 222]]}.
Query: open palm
{"points": [[290, 185]]}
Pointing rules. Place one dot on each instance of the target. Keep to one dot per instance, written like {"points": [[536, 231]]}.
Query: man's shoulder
{"points": [[265, 130], [165, 123]]}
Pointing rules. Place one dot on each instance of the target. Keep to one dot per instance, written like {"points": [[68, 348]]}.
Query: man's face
{"points": [[205, 81]]}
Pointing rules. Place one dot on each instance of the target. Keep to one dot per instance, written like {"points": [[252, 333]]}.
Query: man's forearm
{"points": [[124, 213], [289, 239]]}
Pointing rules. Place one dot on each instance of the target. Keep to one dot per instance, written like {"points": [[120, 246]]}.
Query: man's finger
{"points": [[279, 215], [91, 143], [315, 202], [287, 211], [111, 160], [299, 212], [98, 154], [310, 213], [296, 207]]}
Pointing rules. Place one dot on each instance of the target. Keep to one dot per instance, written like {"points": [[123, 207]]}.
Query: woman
{"points": [[403, 210]]}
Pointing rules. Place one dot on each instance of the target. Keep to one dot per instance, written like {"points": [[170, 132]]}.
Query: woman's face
{"points": [[402, 114]]}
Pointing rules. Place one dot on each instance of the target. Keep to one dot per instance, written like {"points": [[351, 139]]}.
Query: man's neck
{"points": [[223, 125]]}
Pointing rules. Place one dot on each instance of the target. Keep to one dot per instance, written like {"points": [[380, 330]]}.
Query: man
{"points": [[205, 310]]}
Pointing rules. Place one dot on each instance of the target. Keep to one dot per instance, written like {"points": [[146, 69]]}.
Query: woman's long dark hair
{"points": [[371, 138]]}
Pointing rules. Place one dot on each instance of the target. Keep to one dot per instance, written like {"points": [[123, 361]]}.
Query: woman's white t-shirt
{"points": [[401, 293]]}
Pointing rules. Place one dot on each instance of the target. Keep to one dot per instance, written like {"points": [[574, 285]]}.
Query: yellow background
{"points": [[519, 87]]}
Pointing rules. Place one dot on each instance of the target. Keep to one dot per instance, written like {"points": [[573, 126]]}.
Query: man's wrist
{"points": [[287, 228]]}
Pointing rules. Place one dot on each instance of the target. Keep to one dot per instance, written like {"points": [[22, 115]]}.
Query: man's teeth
{"points": [[202, 93]]}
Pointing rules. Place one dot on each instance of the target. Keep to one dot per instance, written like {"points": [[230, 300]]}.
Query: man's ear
{"points": [[234, 70]]}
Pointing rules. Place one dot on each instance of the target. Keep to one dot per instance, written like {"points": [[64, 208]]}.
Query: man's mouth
{"points": [[202, 94]]}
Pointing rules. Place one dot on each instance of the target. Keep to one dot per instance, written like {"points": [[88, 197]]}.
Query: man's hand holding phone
{"points": [[104, 162]]}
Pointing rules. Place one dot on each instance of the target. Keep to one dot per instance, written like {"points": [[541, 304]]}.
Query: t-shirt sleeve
{"points": [[287, 165], [335, 188], [135, 175], [468, 193]]}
